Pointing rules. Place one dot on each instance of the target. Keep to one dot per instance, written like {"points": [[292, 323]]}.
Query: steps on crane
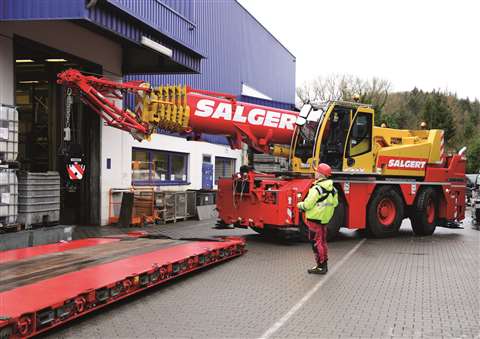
{"points": [[45, 286]]}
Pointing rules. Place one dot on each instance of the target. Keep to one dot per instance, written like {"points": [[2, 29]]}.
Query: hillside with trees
{"points": [[459, 118]]}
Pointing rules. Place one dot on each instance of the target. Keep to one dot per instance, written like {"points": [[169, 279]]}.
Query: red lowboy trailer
{"points": [[45, 286]]}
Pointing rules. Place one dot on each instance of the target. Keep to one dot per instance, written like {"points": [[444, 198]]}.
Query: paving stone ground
{"points": [[403, 287]]}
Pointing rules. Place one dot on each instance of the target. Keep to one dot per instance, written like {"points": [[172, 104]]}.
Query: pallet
{"points": [[12, 228], [60, 282], [43, 224]]}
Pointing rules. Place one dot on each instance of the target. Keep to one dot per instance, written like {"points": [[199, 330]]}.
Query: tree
{"points": [[438, 115], [373, 91], [473, 156]]}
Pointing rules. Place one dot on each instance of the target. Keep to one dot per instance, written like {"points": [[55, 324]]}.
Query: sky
{"points": [[422, 43]]}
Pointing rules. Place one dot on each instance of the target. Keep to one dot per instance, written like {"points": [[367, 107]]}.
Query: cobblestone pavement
{"points": [[413, 287]]}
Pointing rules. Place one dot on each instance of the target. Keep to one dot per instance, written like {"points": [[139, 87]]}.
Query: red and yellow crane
{"points": [[384, 175]]}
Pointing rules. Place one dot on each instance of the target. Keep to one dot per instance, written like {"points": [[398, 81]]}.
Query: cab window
{"points": [[361, 135]]}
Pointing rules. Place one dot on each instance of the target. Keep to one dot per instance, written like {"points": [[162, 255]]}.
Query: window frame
{"points": [[223, 160], [349, 140], [157, 182]]}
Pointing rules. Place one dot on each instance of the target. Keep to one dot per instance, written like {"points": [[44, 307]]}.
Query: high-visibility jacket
{"points": [[320, 202]]}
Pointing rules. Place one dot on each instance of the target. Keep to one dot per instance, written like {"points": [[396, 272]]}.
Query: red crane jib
{"points": [[258, 126], [99, 94], [166, 107]]}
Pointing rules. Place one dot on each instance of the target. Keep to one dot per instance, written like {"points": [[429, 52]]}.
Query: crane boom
{"points": [[182, 109]]}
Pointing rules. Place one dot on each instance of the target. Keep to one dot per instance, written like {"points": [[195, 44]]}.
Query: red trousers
{"points": [[318, 238]]}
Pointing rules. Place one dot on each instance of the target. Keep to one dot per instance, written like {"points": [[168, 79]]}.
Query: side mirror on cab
{"points": [[304, 112]]}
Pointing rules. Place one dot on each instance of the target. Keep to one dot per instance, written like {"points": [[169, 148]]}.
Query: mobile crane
{"points": [[383, 175]]}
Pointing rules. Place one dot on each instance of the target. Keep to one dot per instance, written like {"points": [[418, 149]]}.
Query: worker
{"points": [[383, 125], [319, 206], [423, 125], [356, 98]]}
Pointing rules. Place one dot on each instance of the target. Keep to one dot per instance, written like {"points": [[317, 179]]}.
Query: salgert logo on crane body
{"points": [[253, 116], [405, 163]]}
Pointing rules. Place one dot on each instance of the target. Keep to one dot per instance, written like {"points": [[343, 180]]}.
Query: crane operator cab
{"points": [[336, 133]]}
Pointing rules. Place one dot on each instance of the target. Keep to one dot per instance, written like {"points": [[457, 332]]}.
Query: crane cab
{"points": [[337, 133]]}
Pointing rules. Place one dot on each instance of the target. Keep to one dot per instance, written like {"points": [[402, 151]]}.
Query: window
{"points": [[307, 134], [224, 167], [151, 167], [361, 135], [140, 166]]}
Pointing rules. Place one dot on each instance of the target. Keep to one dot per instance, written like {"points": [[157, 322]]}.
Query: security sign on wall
{"points": [[75, 170]]}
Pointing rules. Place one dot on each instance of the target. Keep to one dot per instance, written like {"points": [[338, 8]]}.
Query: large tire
{"points": [[385, 212], [425, 212]]}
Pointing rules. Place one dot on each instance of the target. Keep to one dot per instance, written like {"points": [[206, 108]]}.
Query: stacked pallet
{"points": [[38, 198], [8, 158], [8, 197]]}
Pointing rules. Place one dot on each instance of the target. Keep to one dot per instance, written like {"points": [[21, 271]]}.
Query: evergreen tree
{"points": [[473, 155]]}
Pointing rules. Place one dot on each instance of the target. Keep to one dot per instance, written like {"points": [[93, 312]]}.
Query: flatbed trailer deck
{"points": [[45, 286]]}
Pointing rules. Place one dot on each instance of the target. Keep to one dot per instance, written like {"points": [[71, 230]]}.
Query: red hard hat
{"points": [[324, 169]]}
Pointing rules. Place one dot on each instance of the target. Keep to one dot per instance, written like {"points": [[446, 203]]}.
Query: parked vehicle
{"points": [[471, 181]]}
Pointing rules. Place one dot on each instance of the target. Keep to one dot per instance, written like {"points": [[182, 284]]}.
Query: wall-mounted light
{"points": [[156, 46], [23, 61], [29, 82], [55, 60]]}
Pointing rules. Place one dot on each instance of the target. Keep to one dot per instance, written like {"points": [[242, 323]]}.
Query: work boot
{"points": [[319, 269]]}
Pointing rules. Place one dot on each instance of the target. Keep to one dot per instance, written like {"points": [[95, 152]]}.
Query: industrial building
{"points": [[211, 45]]}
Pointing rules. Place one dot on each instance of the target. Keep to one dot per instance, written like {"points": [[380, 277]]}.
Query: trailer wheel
{"points": [[425, 214], [385, 213]]}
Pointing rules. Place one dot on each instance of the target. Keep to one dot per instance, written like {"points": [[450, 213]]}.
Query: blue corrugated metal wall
{"points": [[185, 8], [239, 50], [163, 18], [130, 19], [41, 10], [264, 102]]}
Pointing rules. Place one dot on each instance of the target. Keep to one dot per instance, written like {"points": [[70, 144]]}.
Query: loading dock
{"points": [[41, 106]]}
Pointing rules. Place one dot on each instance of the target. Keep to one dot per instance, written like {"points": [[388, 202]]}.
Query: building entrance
{"points": [[43, 117]]}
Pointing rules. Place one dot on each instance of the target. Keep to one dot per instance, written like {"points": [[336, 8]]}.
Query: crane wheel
{"points": [[425, 214], [385, 212]]}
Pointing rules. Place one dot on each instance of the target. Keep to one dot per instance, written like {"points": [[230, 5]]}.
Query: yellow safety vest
{"points": [[320, 202]]}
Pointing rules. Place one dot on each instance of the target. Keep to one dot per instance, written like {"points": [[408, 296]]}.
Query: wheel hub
{"points": [[386, 212]]}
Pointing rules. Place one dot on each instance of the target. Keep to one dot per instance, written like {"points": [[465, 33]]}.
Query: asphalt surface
{"points": [[403, 287]]}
